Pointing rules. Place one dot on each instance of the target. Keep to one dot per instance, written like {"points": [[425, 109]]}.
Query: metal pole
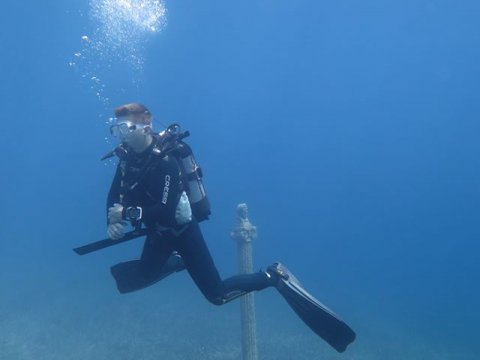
{"points": [[243, 233]]}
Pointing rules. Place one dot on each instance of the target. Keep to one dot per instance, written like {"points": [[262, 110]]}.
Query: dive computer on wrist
{"points": [[133, 213]]}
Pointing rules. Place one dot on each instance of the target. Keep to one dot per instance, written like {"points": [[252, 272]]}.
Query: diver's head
{"points": [[133, 126]]}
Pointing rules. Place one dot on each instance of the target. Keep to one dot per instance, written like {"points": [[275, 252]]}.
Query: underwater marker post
{"points": [[243, 233]]}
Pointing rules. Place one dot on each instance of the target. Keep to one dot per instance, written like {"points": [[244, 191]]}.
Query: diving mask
{"points": [[123, 128]]}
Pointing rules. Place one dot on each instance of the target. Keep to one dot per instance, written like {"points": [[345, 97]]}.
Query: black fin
{"points": [[323, 321], [102, 244]]}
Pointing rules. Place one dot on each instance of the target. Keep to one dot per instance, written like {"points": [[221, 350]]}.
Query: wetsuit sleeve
{"points": [[164, 190], [114, 193]]}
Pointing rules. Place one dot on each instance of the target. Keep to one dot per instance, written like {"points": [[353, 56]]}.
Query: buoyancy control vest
{"points": [[170, 142]]}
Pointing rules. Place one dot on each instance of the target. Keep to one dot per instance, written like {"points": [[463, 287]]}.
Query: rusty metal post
{"points": [[243, 233]]}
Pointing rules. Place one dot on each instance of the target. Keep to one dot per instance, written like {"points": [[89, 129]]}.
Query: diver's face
{"points": [[131, 131]]}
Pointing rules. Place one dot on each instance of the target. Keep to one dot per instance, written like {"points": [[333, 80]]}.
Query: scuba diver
{"points": [[158, 187]]}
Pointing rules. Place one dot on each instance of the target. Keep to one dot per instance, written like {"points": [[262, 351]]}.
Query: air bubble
{"points": [[122, 30]]}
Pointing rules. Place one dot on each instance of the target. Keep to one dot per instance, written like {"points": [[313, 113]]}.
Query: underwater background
{"points": [[349, 128]]}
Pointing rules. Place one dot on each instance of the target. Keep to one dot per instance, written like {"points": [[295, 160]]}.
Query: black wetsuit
{"points": [[153, 183]]}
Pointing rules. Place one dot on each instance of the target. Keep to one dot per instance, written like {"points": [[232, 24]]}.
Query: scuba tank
{"points": [[191, 174]]}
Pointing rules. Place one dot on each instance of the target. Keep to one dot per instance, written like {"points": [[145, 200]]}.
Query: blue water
{"points": [[350, 129]]}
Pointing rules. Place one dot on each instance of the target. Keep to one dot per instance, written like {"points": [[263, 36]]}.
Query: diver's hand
{"points": [[115, 214], [115, 231]]}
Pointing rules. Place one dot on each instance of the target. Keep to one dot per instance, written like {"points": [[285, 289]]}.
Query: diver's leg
{"points": [[157, 261], [198, 262], [158, 258], [200, 265]]}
